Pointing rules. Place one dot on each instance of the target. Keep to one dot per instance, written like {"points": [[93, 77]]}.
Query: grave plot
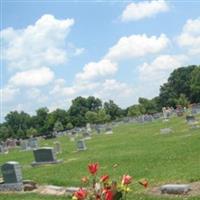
{"points": [[45, 155]]}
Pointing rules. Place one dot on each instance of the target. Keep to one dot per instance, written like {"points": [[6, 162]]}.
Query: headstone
{"points": [[81, 145], [88, 127], [3, 149], [24, 145], [12, 177], [45, 155], [109, 131], [165, 130], [33, 143], [57, 147], [190, 119], [175, 189]]}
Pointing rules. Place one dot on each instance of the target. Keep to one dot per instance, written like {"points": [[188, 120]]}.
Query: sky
{"points": [[54, 51]]}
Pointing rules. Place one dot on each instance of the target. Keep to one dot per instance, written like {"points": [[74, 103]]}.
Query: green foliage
{"points": [[183, 101], [58, 126], [91, 117], [69, 126], [195, 85], [113, 110], [179, 83], [31, 132]]}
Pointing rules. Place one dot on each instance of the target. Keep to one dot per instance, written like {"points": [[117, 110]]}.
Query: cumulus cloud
{"points": [[159, 69], [41, 44], [137, 11], [190, 36], [33, 77], [137, 46], [8, 93], [94, 70]]}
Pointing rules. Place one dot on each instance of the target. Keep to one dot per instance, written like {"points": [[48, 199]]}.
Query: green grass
{"points": [[139, 150]]}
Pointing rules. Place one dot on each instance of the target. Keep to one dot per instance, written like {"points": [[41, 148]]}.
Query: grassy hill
{"points": [[138, 149]]}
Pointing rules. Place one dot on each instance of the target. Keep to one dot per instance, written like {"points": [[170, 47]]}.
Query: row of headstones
{"points": [[13, 180]]}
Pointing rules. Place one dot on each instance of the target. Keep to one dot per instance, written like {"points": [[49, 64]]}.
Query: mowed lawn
{"points": [[138, 149]]}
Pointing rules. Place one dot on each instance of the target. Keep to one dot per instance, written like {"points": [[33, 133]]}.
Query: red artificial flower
{"points": [[93, 167], [108, 195], [126, 179], [104, 178], [144, 183], [85, 179], [80, 194]]}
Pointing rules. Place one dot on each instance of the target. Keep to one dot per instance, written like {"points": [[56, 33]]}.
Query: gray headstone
{"points": [[11, 172], [81, 145], [175, 189], [33, 143], [165, 130], [57, 147], [45, 154], [24, 145]]}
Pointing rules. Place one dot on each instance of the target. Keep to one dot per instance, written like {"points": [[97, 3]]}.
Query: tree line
{"points": [[182, 88]]}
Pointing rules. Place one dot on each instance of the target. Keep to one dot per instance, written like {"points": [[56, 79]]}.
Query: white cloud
{"points": [[8, 93], [158, 71], [143, 9], [41, 44], [137, 46], [33, 77], [94, 70], [190, 36]]}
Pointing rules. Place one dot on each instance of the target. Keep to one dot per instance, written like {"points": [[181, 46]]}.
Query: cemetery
{"points": [[170, 164], [100, 100]]}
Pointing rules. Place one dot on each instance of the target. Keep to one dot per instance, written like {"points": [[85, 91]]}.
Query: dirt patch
{"points": [[195, 191], [51, 190]]}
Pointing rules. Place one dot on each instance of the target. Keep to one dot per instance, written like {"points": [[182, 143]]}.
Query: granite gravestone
{"points": [[12, 177], [81, 145], [165, 130], [45, 155], [24, 145], [57, 147], [175, 189], [33, 143]]}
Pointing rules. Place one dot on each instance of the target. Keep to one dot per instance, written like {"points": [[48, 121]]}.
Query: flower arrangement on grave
{"points": [[103, 188]]}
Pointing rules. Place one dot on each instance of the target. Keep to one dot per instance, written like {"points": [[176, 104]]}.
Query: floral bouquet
{"points": [[102, 188]]}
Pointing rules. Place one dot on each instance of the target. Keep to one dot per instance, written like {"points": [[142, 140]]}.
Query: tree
{"points": [[195, 85], [183, 101], [113, 110], [58, 126], [69, 126], [18, 122], [5, 132], [102, 117], [179, 82], [134, 110], [91, 117], [31, 132], [41, 120]]}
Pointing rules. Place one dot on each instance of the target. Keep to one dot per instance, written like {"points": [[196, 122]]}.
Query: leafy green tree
{"points": [[134, 110], [113, 110], [18, 121], [58, 126], [5, 132], [31, 132], [178, 83], [195, 85], [41, 120], [91, 117], [183, 101], [69, 126], [102, 117]]}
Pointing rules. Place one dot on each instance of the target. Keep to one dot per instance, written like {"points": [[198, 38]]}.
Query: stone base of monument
{"points": [[11, 187], [35, 164], [175, 189]]}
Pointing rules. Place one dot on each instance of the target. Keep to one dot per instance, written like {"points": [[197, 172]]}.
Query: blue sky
{"points": [[54, 51]]}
